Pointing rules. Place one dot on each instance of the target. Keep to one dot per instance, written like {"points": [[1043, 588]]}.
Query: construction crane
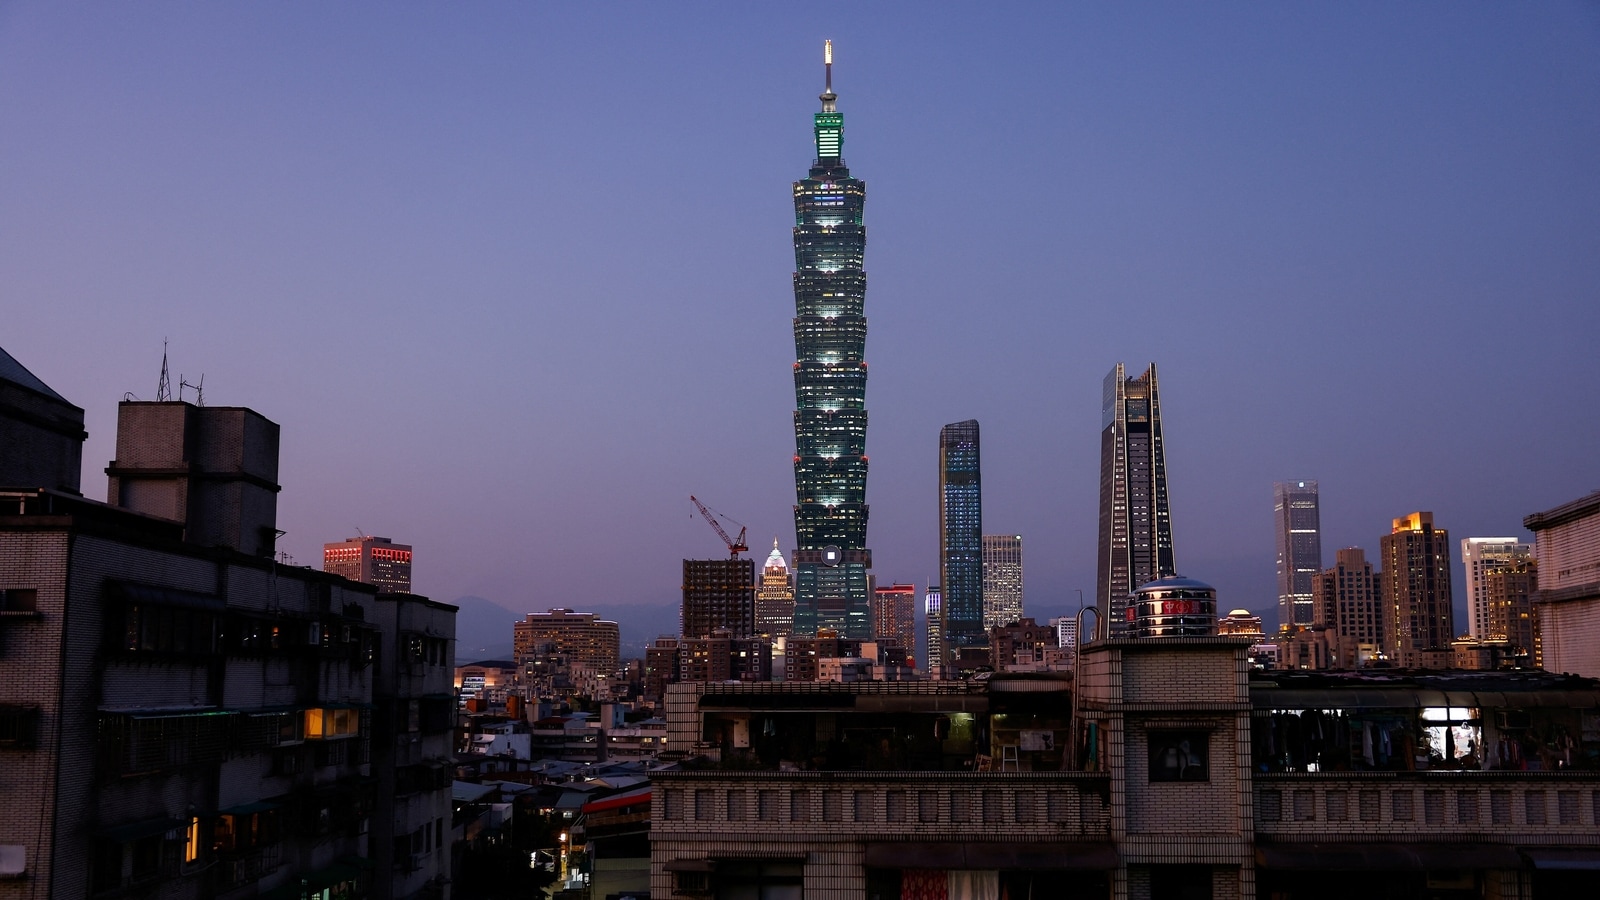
{"points": [[736, 546]]}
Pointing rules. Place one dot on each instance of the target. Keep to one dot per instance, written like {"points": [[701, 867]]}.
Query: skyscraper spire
{"points": [[828, 96]]}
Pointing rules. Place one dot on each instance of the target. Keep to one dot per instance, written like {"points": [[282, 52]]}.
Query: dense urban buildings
{"points": [[894, 614], [370, 560], [1479, 558], [1129, 781], [1416, 590], [830, 382], [41, 434], [1513, 618], [775, 596], [1135, 518], [1297, 525], [581, 639], [718, 595], [1002, 579], [960, 538], [1567, 541]]}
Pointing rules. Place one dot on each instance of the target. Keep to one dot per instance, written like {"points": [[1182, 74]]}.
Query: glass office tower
{"points": [[830, 384], [1297, 523], [1135, 521], [961, 537]]}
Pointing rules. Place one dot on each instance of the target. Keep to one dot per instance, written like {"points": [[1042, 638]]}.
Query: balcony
{"points": [[882, 807], [1520, 807]]}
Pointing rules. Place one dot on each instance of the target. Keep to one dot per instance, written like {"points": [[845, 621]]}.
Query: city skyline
{"points": [[364, 201]]}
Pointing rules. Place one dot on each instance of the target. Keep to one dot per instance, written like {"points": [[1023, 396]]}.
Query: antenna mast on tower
{"points": [[164, 390]]}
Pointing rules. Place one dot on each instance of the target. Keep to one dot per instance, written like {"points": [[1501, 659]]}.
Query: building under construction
{"points": [[718, 594]]}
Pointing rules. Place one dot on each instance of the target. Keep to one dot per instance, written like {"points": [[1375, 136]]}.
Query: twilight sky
{"points": [[515, 278]]}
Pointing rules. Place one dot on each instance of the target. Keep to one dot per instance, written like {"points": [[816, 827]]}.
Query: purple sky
{"points": [[514, 278]]}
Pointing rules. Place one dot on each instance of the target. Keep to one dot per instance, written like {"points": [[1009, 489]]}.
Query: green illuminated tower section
{"points": [[830, 385]]}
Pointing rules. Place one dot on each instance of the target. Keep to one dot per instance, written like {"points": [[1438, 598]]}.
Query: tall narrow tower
{"points": [[1135, 521], [830, 385], [1297, 524], [961, 537]]}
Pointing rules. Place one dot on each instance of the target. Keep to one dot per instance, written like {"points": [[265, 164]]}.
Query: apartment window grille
{"points": [[1535, 807]]}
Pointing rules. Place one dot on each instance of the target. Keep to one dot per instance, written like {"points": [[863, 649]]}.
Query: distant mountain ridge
{"points": [[483, 627]]}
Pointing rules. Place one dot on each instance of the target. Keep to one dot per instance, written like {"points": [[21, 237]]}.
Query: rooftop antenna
{"points": [[199, 389], [164, 390]]}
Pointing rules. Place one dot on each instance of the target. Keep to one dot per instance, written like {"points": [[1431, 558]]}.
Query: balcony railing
{"points": [[871, 805], [1529, 806]]}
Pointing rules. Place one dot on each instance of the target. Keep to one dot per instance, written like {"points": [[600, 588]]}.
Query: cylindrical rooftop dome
{"points": [[1172, 607]]}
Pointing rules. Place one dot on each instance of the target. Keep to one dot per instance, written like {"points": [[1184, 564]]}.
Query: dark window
{"points": [[1180, 756], [18, 727], [19, 600]]}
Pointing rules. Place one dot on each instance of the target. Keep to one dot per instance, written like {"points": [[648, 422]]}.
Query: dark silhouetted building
{"points": [[719, 595], [41, 434], [1135, 519]]}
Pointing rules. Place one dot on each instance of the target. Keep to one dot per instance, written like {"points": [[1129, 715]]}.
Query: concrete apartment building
{"points": [[1567, 539], [181, 715], [1168, 770]]}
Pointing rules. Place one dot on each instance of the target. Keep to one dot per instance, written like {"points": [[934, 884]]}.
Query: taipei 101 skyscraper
{"points": [[830, 386]]}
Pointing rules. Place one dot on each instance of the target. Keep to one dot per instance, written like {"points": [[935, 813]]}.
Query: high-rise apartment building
{"points": [[718, 595], [1479, 558], [894, 615], [1297, 524], [582, 639], [961, 537], [830, 382], [775, 596], [1346, 598], [1002, 579], [1416, 588], [1135, 519], [371, 560], [1567, 539], [1509, 592], [933, 623]]}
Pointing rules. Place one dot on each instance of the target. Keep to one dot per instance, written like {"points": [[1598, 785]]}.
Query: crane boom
{"points": [[735, 546]]}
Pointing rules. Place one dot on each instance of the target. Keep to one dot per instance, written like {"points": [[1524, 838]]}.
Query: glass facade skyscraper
{"points": [[961, 537], [1297, 522], [1135, 520], [830, 384]]}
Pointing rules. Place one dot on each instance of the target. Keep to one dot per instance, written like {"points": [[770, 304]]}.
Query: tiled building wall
{"points": [[30, 644]]}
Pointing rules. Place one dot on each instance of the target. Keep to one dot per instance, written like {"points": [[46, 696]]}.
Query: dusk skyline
{"points": [[515, 281]]}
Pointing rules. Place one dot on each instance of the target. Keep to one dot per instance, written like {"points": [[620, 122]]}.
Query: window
{"points": [[758, 880], [1180, 756], [19, 600], [322, 724], [18, 727]]}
